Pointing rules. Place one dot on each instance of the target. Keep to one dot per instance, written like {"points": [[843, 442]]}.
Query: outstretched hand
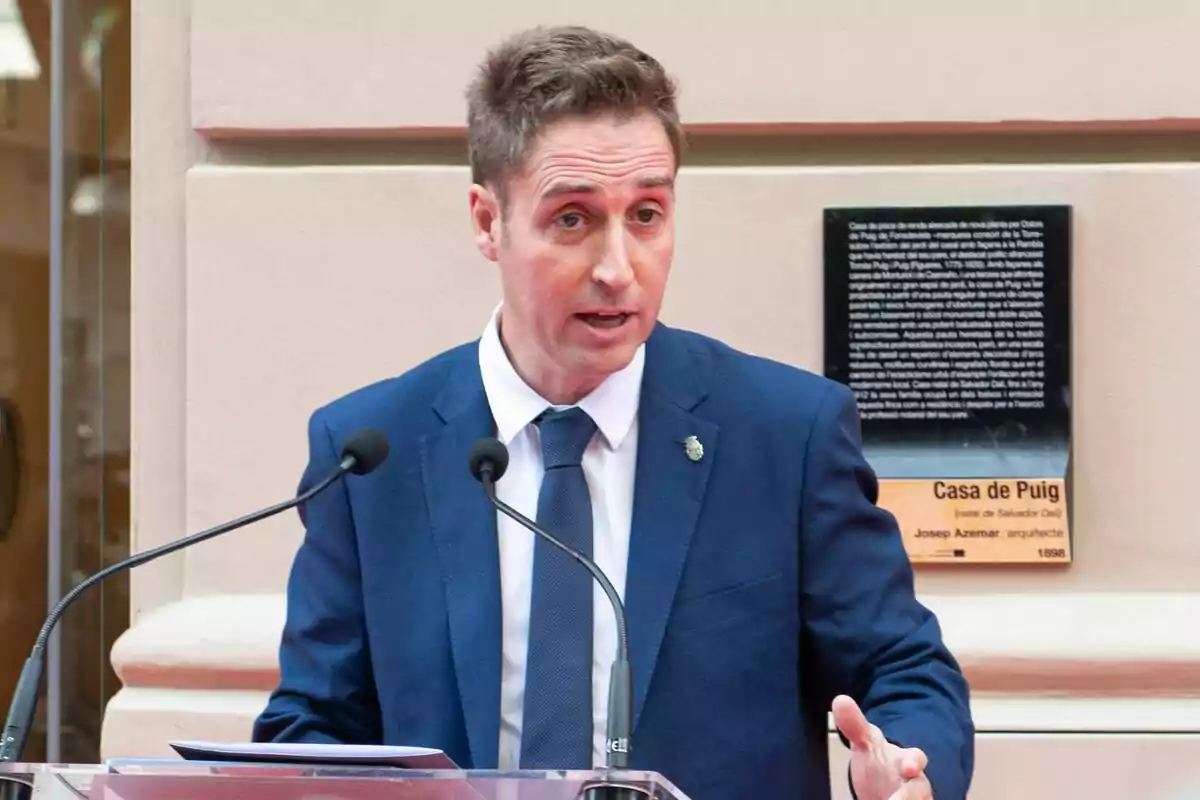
{"points": [[879, 770]]}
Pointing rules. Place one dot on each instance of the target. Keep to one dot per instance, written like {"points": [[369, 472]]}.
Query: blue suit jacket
{"points": [[762, 581]]}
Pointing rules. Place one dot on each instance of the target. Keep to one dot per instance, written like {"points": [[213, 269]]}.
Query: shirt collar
{"points": [[612, 405]]}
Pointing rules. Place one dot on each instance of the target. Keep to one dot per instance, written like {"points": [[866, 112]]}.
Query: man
{"points": [[725, 496]]}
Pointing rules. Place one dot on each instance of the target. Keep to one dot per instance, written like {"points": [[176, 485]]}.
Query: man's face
{"points": [[584, 250]]}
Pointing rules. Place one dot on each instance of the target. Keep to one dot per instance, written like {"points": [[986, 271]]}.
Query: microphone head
{"points": [[488, 451], [368, 447]]}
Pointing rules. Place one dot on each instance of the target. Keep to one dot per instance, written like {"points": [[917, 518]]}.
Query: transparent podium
{"points": [[137, 779]]}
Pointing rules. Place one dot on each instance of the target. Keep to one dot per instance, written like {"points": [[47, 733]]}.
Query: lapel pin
{"points": [[693, 448]]}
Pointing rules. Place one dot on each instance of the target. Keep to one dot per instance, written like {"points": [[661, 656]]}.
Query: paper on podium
{"points": [[299, 753]]}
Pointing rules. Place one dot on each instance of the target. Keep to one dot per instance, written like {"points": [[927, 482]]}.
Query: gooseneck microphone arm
{"points": [[622, 635], [489, 460], [363, 452]]}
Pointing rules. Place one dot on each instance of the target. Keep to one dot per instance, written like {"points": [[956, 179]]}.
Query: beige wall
{"points": [[300, 228]]}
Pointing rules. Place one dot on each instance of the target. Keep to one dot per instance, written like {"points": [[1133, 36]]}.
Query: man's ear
{"points": [[485, 218]]}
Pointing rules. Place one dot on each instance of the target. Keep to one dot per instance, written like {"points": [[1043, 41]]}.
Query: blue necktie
{"points": [[556, 731]]}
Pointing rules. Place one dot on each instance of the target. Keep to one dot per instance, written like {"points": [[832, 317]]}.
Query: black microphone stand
{"points": [[619, 739], [25, 698]]}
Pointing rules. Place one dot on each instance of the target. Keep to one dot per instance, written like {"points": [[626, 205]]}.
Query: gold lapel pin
{"points": [[693, 448]]}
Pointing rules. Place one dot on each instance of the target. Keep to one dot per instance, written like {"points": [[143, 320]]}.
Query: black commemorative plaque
{"points": [[952, 327], [951, 321]]}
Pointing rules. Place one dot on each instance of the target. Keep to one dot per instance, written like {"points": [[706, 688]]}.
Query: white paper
{"points": [[343, 754]]}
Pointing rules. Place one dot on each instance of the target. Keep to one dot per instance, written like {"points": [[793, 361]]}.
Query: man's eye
{"points": [[647, 215], [571, 219]]}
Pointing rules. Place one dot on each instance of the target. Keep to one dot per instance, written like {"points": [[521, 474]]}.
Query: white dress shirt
{"points": [[608, 464]]}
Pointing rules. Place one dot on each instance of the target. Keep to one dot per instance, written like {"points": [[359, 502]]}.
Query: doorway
{"points": [[64, 352]]}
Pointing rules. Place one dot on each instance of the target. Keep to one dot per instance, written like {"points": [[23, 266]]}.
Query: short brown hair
{"points": [[545, 74]]}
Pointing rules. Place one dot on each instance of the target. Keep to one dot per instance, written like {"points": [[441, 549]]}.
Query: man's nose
{"points": [[615, 268]]}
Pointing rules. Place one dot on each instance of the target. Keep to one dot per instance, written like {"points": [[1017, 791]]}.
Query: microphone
{"points": [[488, 462], [363, 452]]}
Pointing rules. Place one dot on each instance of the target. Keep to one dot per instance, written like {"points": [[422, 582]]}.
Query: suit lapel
{"points": [[668, 494], [464, 531]]}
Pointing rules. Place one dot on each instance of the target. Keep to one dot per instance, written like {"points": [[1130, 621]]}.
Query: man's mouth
{"points": [[605, 319]]}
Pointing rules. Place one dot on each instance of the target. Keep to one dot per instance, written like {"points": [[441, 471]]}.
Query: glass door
{"points": [[64, 351]]}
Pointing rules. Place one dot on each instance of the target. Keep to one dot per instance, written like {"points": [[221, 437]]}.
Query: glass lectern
{"points": [[195, 780]]}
